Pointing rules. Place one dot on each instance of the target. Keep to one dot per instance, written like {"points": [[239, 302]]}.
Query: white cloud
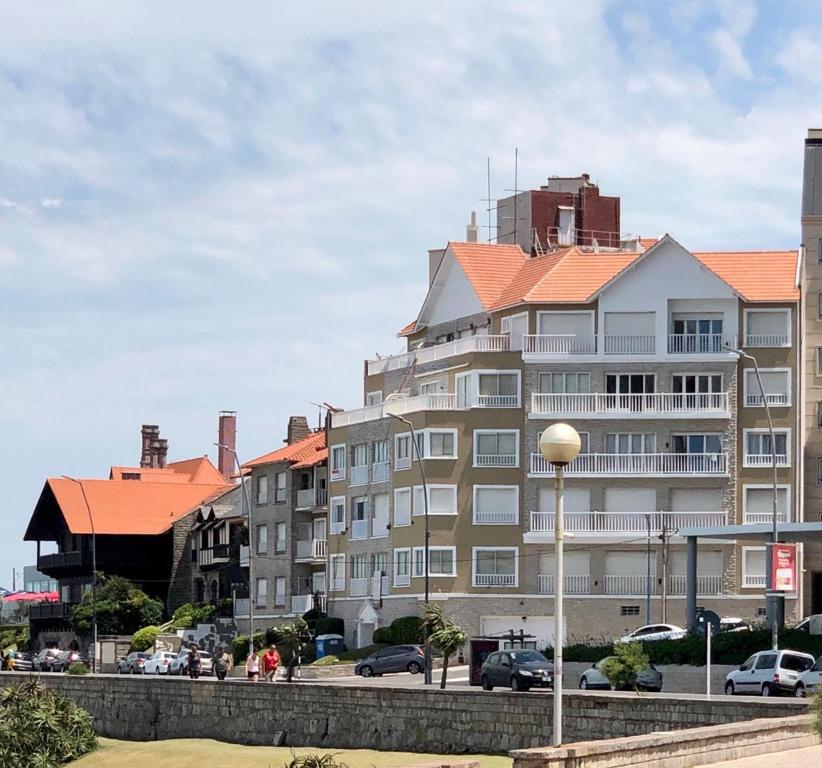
{"points": [[732, 60]]}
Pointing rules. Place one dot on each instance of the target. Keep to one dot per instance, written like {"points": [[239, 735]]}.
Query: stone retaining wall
{"points": [[376, 717]]}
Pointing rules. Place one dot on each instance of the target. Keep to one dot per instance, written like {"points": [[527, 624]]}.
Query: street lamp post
{"points": [[559, 445], [245, 498], [772, 599], [416, 449]]}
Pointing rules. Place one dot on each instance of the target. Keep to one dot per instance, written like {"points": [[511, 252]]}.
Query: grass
{"points": [[202, 753]]}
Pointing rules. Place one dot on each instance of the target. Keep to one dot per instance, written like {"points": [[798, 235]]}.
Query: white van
{"points": [[768, 673]]}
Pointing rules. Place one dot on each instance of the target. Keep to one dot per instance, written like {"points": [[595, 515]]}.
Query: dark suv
{"points": [[45, 660], [520, 669], [397, 658]]}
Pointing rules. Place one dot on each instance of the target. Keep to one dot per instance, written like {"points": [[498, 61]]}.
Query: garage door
{"points": [[541, 626]]}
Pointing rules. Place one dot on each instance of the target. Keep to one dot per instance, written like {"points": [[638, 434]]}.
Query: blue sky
{"points": [[208, 207]]}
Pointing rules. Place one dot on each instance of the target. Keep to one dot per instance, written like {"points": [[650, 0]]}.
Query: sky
{"points": [[209, 205]]}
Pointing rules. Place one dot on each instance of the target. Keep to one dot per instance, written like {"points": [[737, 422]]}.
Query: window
{"points": [[359, 518], [432, 387], [441, 445], [819, 415], [697, 384], [359, 567], [496, 448], [766, 661], [279, 591], [819, 309], [373, 398], [262, 489], [777, 385], [336, 566], [337, 514], [758, 447], [496, 504], [498, 390], [402, 567], [262, 592], [279, 487], [629, 610], [630, 383], [262, 539], [442, 500], [496, 567], [564, 383], [629, 442], [753, 566], [819, 471], [442, 561], [379, 452], [379, 563], [819, 360], [402, 507], [338, 462], [280, 537], [379, 526], [696, 334], [757, 503], [767, 327], [402, 451], [359, 453], [708, 443]]}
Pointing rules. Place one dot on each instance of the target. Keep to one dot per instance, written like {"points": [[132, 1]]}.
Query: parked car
{"points": [[595, 679], [805, 624], [179, 664], [652, 632], [396, 658], [519, 669], [132, 664], [65, 660], [44, 660], [158, 663], [809, 681], [734, 625], [769, 673], [22, 661]]}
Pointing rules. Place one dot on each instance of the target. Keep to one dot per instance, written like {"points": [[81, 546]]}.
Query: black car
{"points": [[44, 661], [65, 660], [132, 664], [519, 669]]}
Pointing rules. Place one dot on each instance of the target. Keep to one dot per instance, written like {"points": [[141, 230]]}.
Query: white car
{"points": [[651, 632], [179, 663], [769, 673], [809, 681], [159, 663]]}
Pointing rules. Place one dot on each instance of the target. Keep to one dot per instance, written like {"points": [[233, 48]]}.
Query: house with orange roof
{"points": [[630, 340]]}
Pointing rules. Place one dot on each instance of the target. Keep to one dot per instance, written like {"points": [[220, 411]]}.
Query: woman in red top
{"points": [[271, 660]]}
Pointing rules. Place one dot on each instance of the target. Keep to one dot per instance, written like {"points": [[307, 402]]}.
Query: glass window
{"points": [[819, 415], [379, 452], [496, 448], [358, 509], [280, 537], [498, 384], [697, 443], [359, 566], [262, 591], [279, 591], [697, 383], [442, 561], [337, 462], [279, 486], [630, 383], [338, 514], [262, 539], [402, 566], [766, 661], [262, 489], [359, 455], [496, 561], [564, 383], [402, 506], [441, 444], [759, 443], [402, 451], [630, 443]]}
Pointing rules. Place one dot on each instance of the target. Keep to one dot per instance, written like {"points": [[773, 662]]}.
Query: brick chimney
{"points": [[297, 429], [149, 433], [472, 230], [159, 452], [227, 436]]}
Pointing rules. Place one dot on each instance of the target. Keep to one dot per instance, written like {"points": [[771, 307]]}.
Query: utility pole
{"points": [[648, 571], [664, 538]]}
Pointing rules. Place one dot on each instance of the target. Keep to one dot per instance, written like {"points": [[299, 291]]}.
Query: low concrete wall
{"points": [[377, 717], [679, 749]]}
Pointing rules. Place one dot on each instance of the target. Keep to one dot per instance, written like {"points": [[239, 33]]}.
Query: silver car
{"points": [[769, 673], [396, 658], [810, 681], [595, 679]]}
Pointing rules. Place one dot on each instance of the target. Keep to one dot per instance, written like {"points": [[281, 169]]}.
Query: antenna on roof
{"points": [[516, 191], [487, 200]]}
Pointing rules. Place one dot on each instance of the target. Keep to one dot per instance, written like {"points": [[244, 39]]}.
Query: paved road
{"points": [[809, 756]]}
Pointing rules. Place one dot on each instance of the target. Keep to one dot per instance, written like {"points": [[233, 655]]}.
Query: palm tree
{"points": [[449, 638], [431, 620]]}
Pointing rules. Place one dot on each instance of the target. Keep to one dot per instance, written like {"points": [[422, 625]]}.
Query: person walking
{"points": [[222, 665], [252, 667], [271, 660], [195, 662]]}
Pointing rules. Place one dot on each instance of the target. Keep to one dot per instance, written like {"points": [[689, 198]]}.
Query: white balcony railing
{"points": [[359, 587], [479, 343], [660, 464], [439, 401], [359, 475], [497, 401], [245, 555], [765, 460], [312, 549], [574, 585], [705, 585], [749, 580], [765, 518], [380, 471], [495, 460], [630, 345], [306, 498], [641, 405], [304, 603], [495, 579], [621, 523], [558, 345], [629, 585], [699, 343], [766, 340], [359, 529], [774, 398], [496, 517]]}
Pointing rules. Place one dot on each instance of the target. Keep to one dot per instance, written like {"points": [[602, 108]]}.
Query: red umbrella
{"points": [[32, 597]]}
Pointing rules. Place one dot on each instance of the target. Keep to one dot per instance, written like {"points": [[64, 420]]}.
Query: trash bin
{"points": [[329, 645]]}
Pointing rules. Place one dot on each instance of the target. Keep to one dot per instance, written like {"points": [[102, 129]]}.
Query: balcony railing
{"points": [[630, 345], [774, 398], [303, 603], [630, 585], [359, 587], [574, 585], [765, 518], [42, 611], [641, 405], [380, 471], [495, 460], [749, 580], [359, 529], [495, 579], [496, 517], [766, 340], [438, 401], [312, 549], [245, 555], [497, 401], [558, 345], [705, 585], [479, 343], [306, 498], [699, 343], [62, 562], [625, 523], [625, 464], [216, 555], [765, 460], [359, 475]]}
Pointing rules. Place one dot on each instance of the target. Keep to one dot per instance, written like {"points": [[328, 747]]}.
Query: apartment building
{"points": [[629, 344], [287, 528]]}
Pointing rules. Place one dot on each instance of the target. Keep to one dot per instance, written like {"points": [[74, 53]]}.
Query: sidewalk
{"points": [[808, 756]]}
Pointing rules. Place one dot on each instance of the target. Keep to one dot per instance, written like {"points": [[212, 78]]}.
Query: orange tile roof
{"points": [[489, 268], [407, 330], [756, 275], [312, 461], [198, 470], [302, 450]]}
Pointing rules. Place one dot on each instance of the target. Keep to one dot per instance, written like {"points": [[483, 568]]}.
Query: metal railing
{"points": [[616, 344], [705, 585], [574, 585], [765, 460], [495, 579], [496, 517], [753, 581], [495, 460], [312, 549], [497, 401], [630, 585], [305, 498], [766, 340], [550, 345], [546, 238], [619, 523], [438, 401], [380, 471], [675, 464], [774, 398], [662, 403], [764, 518], [40, 611], [699, 343], [359, 475], [478, 343]]}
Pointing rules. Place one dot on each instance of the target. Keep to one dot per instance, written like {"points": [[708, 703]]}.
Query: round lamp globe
{"points": [[560, 444]]}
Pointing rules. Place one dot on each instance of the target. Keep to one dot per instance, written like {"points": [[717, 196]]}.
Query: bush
{"points": [[330, 625], [77, 668], [40, 727], [622, 668], [325, 661], [360, 653], [239, 648], [314, 761], [406, 629], [190, 615], [384, 635], [144, 638], [122, 609]]}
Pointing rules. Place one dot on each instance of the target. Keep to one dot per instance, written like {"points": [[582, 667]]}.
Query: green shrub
{"points": [[330, 625], [325, 661], [121, 609], [40, 728], [239, 648], [406, 629], [384, 635], [360, 653], [622, 668], [77, 668], [144, 638], [190, 615]]}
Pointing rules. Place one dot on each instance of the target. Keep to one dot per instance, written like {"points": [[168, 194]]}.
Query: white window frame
{"points": [[337, 472], [261, 595], [261, 539], [749, 374], [336, 526], [476, 550], [419, 510], [565, 375], [279, 490], [403, 462], [766, 432], [373, 398], [433, 386], [591, 313], [745, 574], [705, 434], [418, 573], [402, 580], [491, 372], [424, 436], [407, 490], [788, 324], [336, 573], [766, 486], [279, 597], [280, 543], [478, 432], [383, 459], [261, 489], [514, 488]]}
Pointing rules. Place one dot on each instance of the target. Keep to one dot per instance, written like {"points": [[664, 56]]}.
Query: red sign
{"points": [[783, 568]]}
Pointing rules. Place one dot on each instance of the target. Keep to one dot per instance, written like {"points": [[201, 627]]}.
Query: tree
{"points": [[122, 609], [622, 668], [448, 639]]}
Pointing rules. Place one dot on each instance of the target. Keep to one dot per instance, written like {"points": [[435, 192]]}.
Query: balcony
{"points": [[700, 343], [62, 564], [619, 524], [630, 585], [380, 471], [558, 345], [311, 550], [440, 401], [497, 401], [495, 579], [245, 556], [307, 498], [304, 603], [481, 343], [645, 406], [705, 585], [359, 475], [50, 611], [496, 517], [778, 399], [495, 459], [753, 582], [766, 340], [360, 587], [638, 465], [574, 585], [765, 460], [765, 518], [211, 557], [630, 345]]}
